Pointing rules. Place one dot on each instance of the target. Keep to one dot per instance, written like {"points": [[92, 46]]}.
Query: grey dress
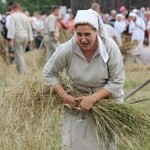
{"points": [[79, 133]]}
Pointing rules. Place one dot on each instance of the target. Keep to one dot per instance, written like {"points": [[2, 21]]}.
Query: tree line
{"points": [[45, 5], [30, 5]]}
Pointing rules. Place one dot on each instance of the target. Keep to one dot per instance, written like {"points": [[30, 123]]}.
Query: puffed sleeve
{"points": [[58, 61]]}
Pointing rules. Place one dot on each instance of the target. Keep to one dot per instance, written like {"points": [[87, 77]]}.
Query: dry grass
{"points": [[35, 59], [29, 119]]}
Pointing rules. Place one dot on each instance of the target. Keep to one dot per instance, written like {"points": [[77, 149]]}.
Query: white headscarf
{"points": [[93, 18], [135, 11], [119, 15], [133, 14]]}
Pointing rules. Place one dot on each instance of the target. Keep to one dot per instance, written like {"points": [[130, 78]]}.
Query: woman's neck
{"points": [[89, 53]]}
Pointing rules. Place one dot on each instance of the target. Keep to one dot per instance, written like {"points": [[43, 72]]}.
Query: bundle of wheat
{"points": [[124, 121]]}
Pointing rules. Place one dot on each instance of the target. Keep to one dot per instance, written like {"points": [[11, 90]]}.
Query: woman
{"points": [[95, 67], [137, 28], [120, 24]]}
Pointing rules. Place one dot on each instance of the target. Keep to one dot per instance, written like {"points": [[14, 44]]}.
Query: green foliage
{"points": [[31, 6], [3, 7]]}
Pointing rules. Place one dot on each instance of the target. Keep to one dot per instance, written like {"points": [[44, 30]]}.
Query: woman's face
{"points": [[133, 18], [119, 19], [86, 37]]}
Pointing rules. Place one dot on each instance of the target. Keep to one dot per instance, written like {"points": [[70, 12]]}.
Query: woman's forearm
{"points": [[101, 94], [58, 88], [65, 97]]}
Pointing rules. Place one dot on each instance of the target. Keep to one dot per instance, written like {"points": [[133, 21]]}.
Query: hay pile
{"points": [[127, 44], [35, 59], [30, 112], [27, 115], [65, 35], [127, 47], [7, 72]]}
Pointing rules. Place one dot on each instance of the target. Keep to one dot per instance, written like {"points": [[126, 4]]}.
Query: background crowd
{"points": [[45, 29]]}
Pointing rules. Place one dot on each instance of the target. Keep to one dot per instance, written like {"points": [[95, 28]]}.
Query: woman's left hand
{"points": [[87, 102]]}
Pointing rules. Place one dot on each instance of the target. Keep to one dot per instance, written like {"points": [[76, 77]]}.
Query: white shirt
{"points": [[37, 24], [120, 26], [112, 33], [137, 29], [8, 21]]}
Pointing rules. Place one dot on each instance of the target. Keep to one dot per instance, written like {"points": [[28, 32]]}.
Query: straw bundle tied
{"points": [[29, 105]]}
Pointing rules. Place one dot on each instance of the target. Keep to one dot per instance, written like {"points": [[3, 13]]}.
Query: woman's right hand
{"points": [[68, 99], [65, 97]]}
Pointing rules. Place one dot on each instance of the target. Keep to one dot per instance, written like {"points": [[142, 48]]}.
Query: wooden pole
{"points": [[137, 89]]}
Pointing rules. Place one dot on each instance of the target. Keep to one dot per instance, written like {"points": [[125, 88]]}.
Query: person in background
{"points": [[70, 24], [120, 24], [142, 14], [145, 53], [94, 64], [66, 17], [43, 16], [9, 51], [147, 8], [38, 29], [109, 29], [19, 35], [51, 32], [106, 18], [27, 13], [123, 11], [147, 15], [96, 7], [137, 28], [113, 34], [113, 17]]}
